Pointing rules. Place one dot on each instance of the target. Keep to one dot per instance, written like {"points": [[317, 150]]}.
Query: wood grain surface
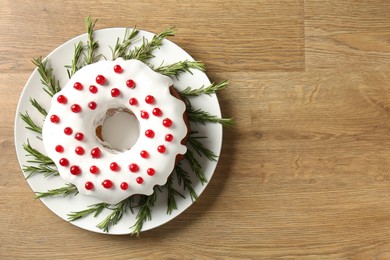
{"points": [[304, 173]]}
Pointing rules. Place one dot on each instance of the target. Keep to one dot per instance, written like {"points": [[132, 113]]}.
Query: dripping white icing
{"points": [[147, 82]]}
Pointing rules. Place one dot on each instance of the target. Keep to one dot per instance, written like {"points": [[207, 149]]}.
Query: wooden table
{"points": [[304, 173]]}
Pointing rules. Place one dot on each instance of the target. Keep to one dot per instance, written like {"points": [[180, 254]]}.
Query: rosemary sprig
{"points": [[31, 125], [203, 117], [116, 215], [195, 166], [145, 213], [51, 85], [76, 61], [46, 170], [40, 109], [177, 68], [133, 202], [172, 193], [144, 52], [183, 178], [95, 209], [199, 147], [92, 45], [37, 155], [211, 89], [44, 165], [121, 49], [66, 190]]}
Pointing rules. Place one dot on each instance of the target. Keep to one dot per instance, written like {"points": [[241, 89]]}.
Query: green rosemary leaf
{"points": [[51, 85], [43, 164], [172, 193], [120, 49], [133, 202], [46, 170], [38, 107], [183, 178], [76, 61], [116, 215], [31, 125], [68, 189], [177, 68], [195, 166], [199, 147], [203, 117], [38, 157], [144, 52], [95, 209], [92, 45], [144, 214], [211, 89]]}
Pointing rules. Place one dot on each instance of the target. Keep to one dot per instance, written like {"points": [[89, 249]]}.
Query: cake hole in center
{"points": [[120, 130]]}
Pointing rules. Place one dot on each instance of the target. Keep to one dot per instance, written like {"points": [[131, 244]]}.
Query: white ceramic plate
{"points": [[168, 53]]}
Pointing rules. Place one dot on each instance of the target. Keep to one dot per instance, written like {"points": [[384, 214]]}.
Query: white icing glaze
{"points": [[147, 82]]}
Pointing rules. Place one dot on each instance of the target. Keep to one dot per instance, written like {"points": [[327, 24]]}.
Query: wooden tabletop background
{"points": [[303, 174]]}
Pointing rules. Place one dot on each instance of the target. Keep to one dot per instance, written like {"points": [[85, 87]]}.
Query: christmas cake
{"points": [[72, 132]]}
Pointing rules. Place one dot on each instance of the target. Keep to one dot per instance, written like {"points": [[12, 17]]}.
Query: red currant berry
{"points": [[133, 167], [130, 83], [75, 170], [62, 99], [59, 149], [144, 114], [139, 180], [169, 138], [54, 119], [144, 154], [118, 69], [93, 89], [92, 105], [157, 112], [149, 133], [79, 136], [78, 86], [161, 149], [64, 162], [114, 167], [79, 150], [100, 79], [124, 186], [167, 122], [107, 184], [96, 153], [149, 99], [68, 131], [133, 101], [89, 185], [94, 169], [150, 171], [115, 92], [75, 108]]}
